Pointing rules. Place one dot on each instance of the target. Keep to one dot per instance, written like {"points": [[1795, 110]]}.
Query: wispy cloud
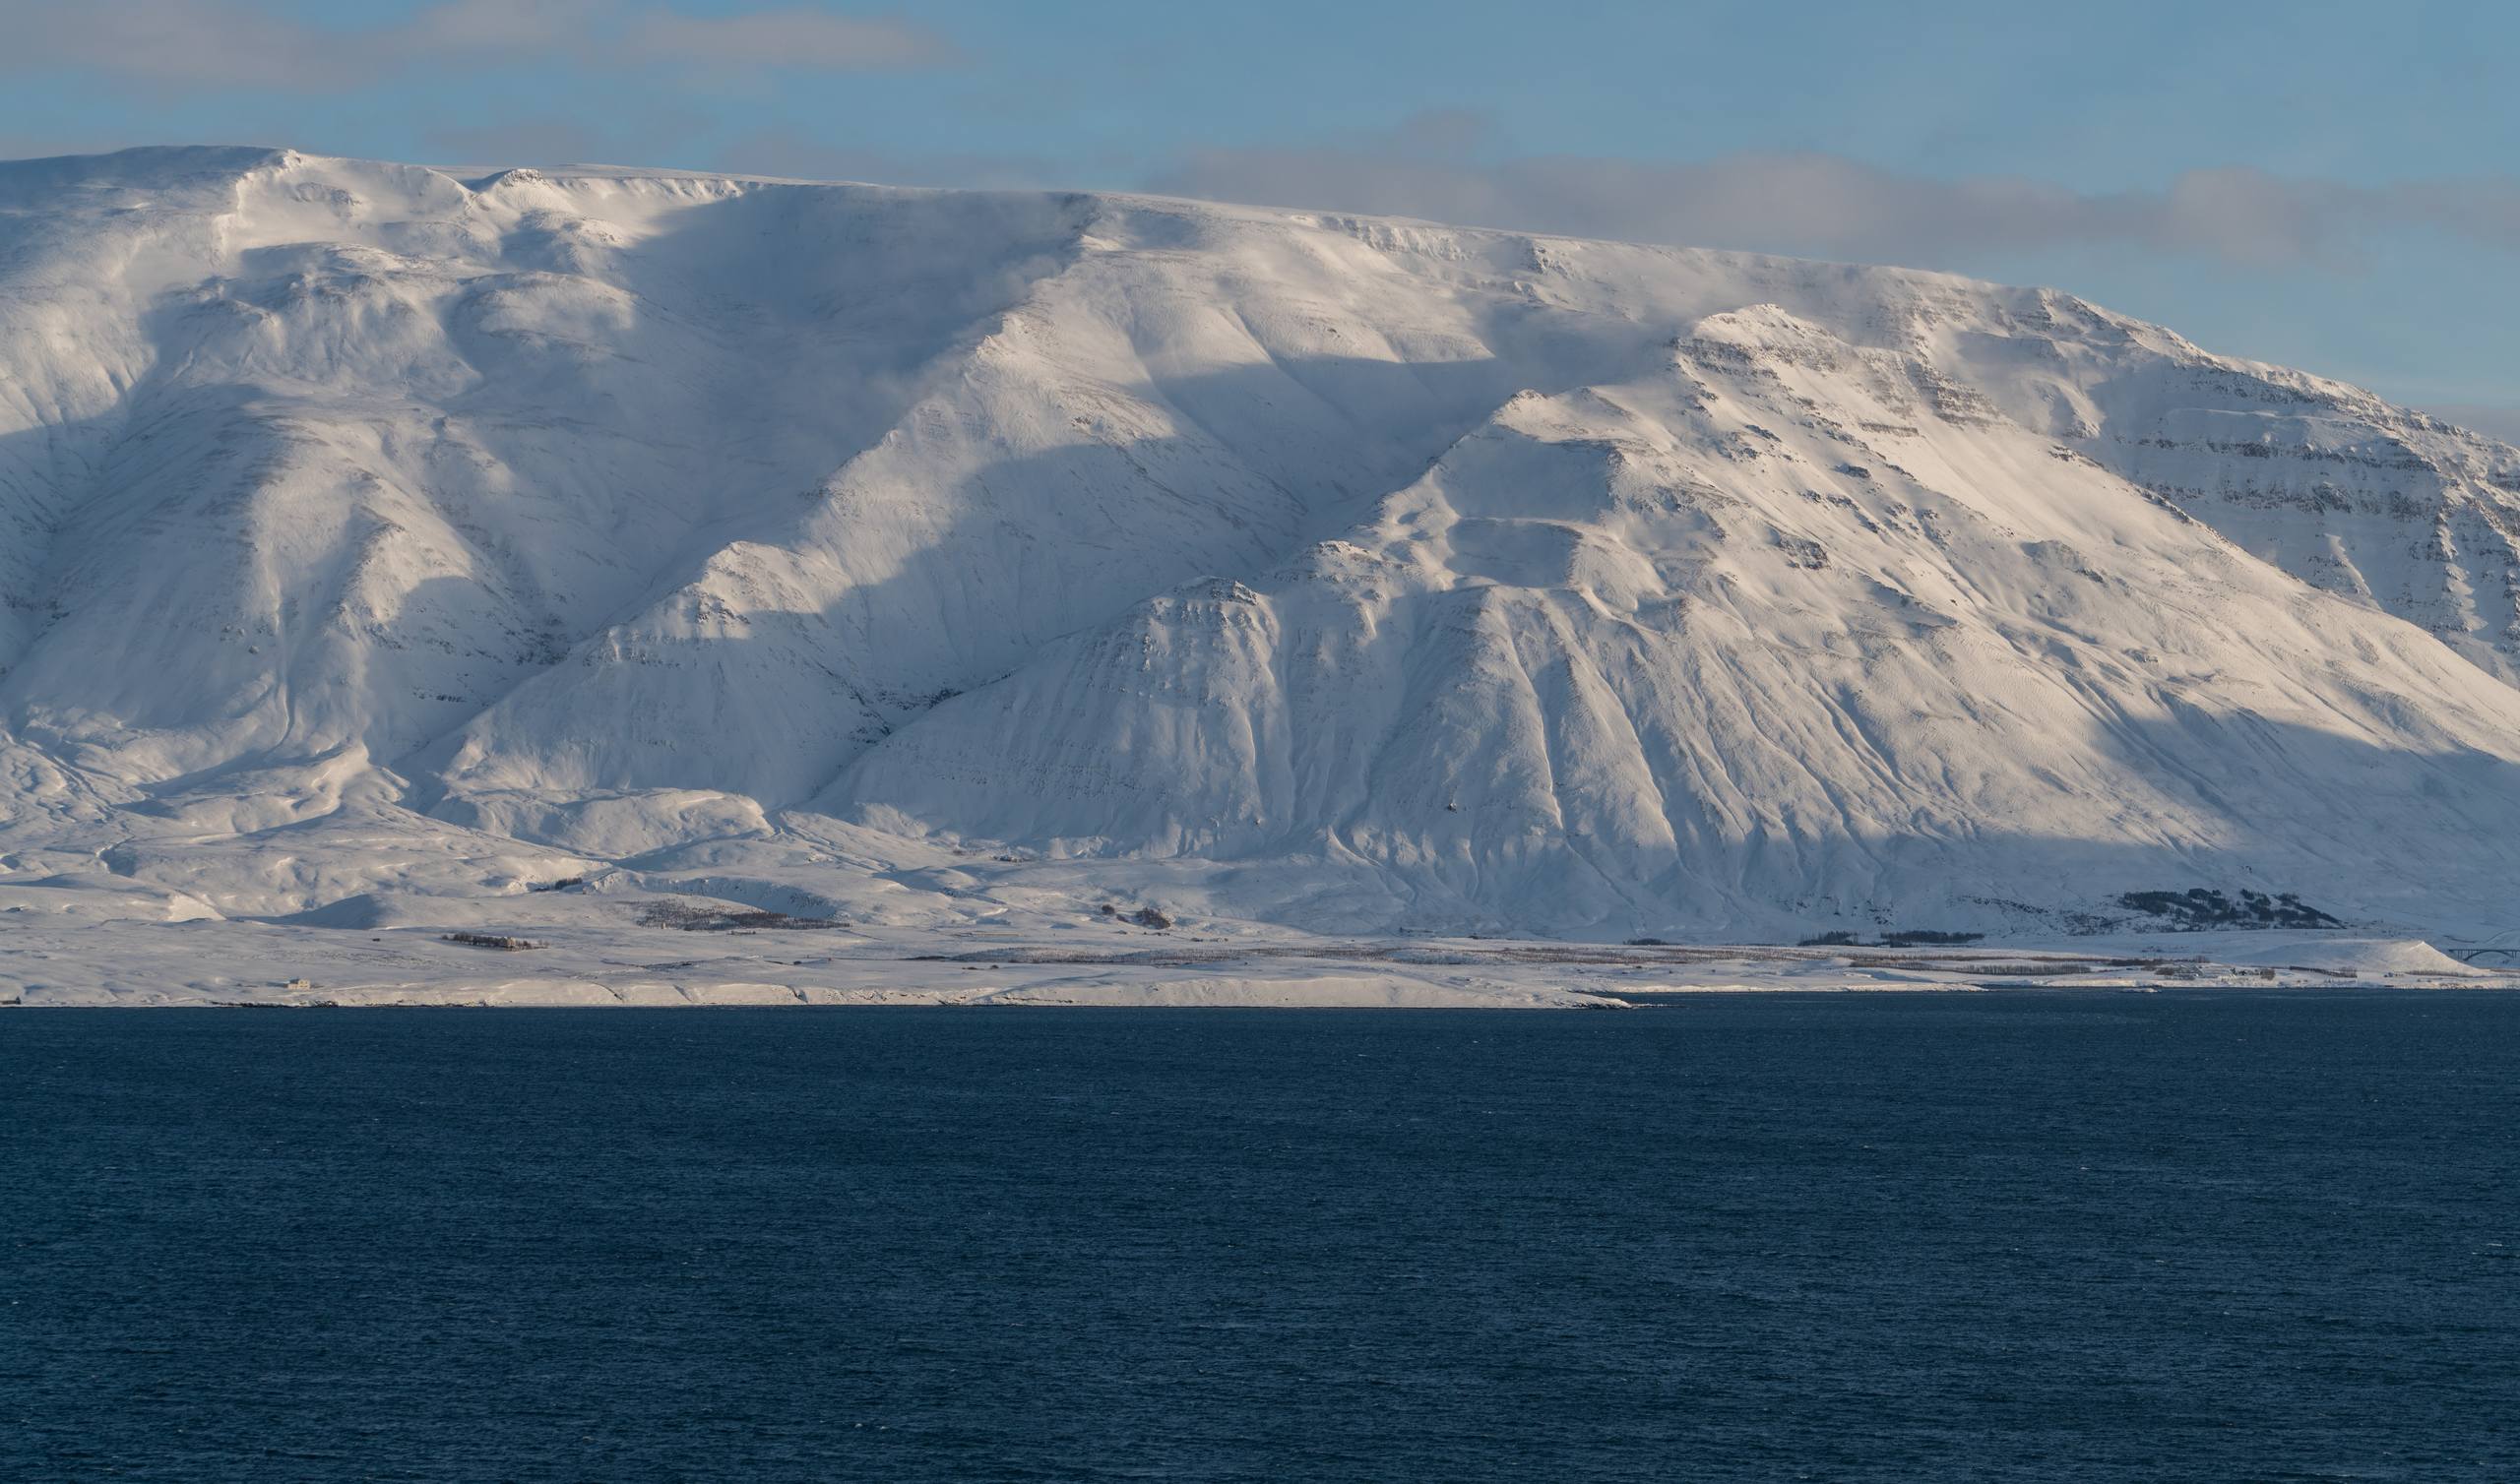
{"points": [[227, 44], [522, 142], [166, 42], [1440, 167], [471, 27], [660, 129], [801, 157], [809, 39]]}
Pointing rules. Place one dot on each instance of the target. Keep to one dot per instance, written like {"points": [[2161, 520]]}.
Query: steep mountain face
{"points": [[365, 527]]}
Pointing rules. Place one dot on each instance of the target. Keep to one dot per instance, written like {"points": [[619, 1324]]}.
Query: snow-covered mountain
{"points": [[374, 536]]}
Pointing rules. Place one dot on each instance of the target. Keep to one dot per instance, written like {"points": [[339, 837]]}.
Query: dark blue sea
{"points": [[2037, 1236]]}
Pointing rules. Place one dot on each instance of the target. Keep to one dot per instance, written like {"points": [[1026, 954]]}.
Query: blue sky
{"points": [[2327, 185]]}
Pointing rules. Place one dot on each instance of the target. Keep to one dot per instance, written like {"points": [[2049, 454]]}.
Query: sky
{"points": [[2324, 185]]}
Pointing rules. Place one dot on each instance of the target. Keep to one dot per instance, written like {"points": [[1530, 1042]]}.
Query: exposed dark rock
{"points": [[2200, 907]]}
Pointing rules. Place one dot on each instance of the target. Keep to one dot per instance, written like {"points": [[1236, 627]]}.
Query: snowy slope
{"points": [[374, 536], [1679, 651]]}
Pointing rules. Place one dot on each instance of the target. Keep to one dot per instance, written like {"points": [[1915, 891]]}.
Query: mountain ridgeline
{"points": [[374, 534]]}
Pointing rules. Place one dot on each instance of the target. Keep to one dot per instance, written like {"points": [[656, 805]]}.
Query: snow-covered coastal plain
{"points": [[466, 585]]}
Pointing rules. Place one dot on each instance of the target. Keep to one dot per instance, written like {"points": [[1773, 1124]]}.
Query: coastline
{"points": [[256, 964]]}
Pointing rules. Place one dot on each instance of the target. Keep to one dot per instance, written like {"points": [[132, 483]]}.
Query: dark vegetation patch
{"points": [[2199, 908], [692, 917], [2072, 923], [1145, 917], [1907, 938], [499, 941]]}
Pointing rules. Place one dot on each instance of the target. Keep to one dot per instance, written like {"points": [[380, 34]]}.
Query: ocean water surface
{"points": [[2037, 1235]]}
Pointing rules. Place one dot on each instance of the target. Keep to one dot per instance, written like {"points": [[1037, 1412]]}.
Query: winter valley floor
{"points": [[464, 585], [688, 950]]}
